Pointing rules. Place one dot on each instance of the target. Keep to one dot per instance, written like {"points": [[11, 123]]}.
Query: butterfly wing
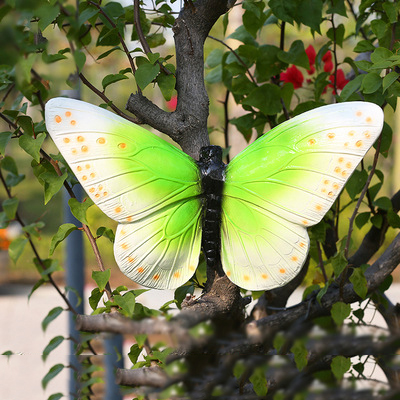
{"points": [[285, 182], [137, 179]]}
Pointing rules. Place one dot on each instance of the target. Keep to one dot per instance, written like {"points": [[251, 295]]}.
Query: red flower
{"points": [[171, 104], [341, 80], [294, 76], [311, 70], [327, 56], [310, 51], [328, 66]]}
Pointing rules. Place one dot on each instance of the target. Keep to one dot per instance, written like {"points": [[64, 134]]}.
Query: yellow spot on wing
{"points": [[282, 270], [331, 135], [156, 277], [294, 258], [122, 145], [66, 140], [67, 113], [264, 276], [131, 259], [58, 119], [359, 143], [368, 120], [124, 246], [101, 140], [246, 277], [141, 269], [80, 139], [177, 274], [192, 267], [84, 149], [118, 209], [311, 142], [73, 122], [358, 113]]}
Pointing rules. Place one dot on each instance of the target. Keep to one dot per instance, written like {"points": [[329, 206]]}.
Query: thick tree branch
{"points": [[375, 275], [188, 124]]}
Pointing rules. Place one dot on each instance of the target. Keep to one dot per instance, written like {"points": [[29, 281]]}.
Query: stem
{"points": [[226, 126], [353, 217]]}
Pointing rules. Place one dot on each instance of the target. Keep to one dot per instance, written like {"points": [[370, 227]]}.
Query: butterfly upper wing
{"points": [[286, 181], [137, 179]]}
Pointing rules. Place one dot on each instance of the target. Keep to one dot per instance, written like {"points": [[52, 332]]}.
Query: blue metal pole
{"points": [[113, 358], [75, 278]]}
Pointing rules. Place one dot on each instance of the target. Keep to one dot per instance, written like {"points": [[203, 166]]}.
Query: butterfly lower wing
{"points": [[259, 250], [161, 250], [127, 171], [293, 174], [139, 180]]}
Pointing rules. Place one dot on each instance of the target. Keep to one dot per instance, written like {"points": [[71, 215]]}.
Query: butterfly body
{"points": [[212, 171], [253, 213]]}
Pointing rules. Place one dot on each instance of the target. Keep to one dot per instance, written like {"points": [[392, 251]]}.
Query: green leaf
{"points": [[16, 248], [296, 55], [36, 286], [146, 73], [106, 232], [51, 316], [155, 39], [52, 183], [108, 52], [214, 58], [80, 59], [4, 139], [339, 366], [364, 46], [339, 312], [379, 27], [112, 78], [362, 219], [79, 209], [389, 79], [359, 281], [126, 303], [391, 10], [53, 344], [300, 354], [32, 146], [259, 381], [339, 263], [47, 14], [337, 34], [181, 292], [353, 86], [371, 83], [63, 231], [167, 85], [101, 278], [34, 228], [356, 183], [55, 396], [377, 220], [53, 372], [393, 219], [266, 98], [134, 353], [383, 203], [10, 207], [95, 298]]}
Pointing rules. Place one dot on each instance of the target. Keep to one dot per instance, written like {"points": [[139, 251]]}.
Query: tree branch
{"points": [[188, 124]]}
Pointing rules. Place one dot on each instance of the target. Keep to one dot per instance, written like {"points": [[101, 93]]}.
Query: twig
{"points": [[121, 39], [237, 56], [86, 229], [226, 124], [371, 174], [143, 41], [108, 101]]}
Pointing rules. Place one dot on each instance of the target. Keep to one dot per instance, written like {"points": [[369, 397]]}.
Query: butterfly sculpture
{"points": [[270, 193]]}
